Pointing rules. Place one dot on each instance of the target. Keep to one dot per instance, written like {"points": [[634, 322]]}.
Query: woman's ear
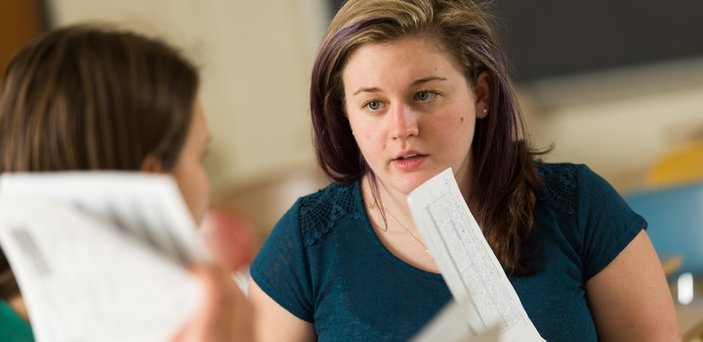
{"points": [[482, 90], [151, 164]]}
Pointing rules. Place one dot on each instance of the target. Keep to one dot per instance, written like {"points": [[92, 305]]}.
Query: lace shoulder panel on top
{"points": [[320, 211], [560, 185]]}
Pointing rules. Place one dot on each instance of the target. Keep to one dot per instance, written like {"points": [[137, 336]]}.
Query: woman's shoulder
{"points": [[317, 213], [566, 184], [12, 326], [560, 184]]}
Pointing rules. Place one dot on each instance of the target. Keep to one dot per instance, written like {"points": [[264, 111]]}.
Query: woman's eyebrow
{"points": [[366, 90], [414, 83], [428, 79]]}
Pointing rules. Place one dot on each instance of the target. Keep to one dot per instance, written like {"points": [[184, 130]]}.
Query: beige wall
{"points": [[618, 122], [255, 58]]}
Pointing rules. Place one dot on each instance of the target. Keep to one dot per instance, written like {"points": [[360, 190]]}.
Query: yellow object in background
{"points": [[681, 166]]}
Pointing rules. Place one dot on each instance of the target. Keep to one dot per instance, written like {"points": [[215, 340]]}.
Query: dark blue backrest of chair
{"points": [[675, 217]]}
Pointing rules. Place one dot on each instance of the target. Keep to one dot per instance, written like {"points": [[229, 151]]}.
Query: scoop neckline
{"points": [[378, 244]]}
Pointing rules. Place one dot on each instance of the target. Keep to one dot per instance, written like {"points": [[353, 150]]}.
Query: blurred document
{"points": [[148, 206], [468, 265], [100, 256]]}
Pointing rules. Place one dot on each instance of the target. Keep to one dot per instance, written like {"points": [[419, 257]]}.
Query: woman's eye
{"points": [[424, 95], [373, 105]]}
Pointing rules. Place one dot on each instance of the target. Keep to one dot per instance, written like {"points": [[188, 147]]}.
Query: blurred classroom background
{"points": [[617, 85]]}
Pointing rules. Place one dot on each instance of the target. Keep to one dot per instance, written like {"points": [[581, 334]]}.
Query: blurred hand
{"points": [[224, 314], [230, 237]]}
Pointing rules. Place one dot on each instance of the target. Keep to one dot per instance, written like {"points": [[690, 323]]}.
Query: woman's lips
{"points": [[409, 162]]}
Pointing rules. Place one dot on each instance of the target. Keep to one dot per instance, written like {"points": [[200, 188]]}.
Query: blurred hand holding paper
{"points": [[100, 256], [471, 270]]}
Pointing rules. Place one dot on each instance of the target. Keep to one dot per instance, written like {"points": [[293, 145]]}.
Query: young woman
{"points": [[401, 90], [89, 98]]}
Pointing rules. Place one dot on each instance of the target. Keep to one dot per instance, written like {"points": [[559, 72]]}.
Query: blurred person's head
{"points": [[92, 98]]}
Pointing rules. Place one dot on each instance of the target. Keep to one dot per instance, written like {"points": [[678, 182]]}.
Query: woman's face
{"points": [[189, 171], [412, 111]]}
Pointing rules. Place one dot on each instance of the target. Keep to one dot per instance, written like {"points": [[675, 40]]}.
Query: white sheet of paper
{"points": [[149, 206], [99, 255], [467, 263], [83, 279]]}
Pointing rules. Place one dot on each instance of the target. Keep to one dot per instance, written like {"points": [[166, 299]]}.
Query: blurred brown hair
{"points": [[93, 98], [84, 97]]}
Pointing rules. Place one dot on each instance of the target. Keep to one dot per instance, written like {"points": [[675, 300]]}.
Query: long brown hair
{"points": [[505, 177], [93, 98]]}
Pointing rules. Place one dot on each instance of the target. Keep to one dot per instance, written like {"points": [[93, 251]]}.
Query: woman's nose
{"points": [[403, 123]]}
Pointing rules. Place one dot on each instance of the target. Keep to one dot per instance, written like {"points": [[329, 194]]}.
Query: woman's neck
{"points": [[387, 201], [464, 179], [17, 304], [396, 202]]}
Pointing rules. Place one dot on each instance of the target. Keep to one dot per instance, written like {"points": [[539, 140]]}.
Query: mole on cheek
{"points": [[461, 120]]}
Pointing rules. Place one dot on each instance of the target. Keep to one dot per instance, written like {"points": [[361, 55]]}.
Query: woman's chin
{"points": [[406, 186]]}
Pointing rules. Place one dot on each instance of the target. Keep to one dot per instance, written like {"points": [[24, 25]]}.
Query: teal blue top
{"points": [[324, 263], [13, 328]]}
